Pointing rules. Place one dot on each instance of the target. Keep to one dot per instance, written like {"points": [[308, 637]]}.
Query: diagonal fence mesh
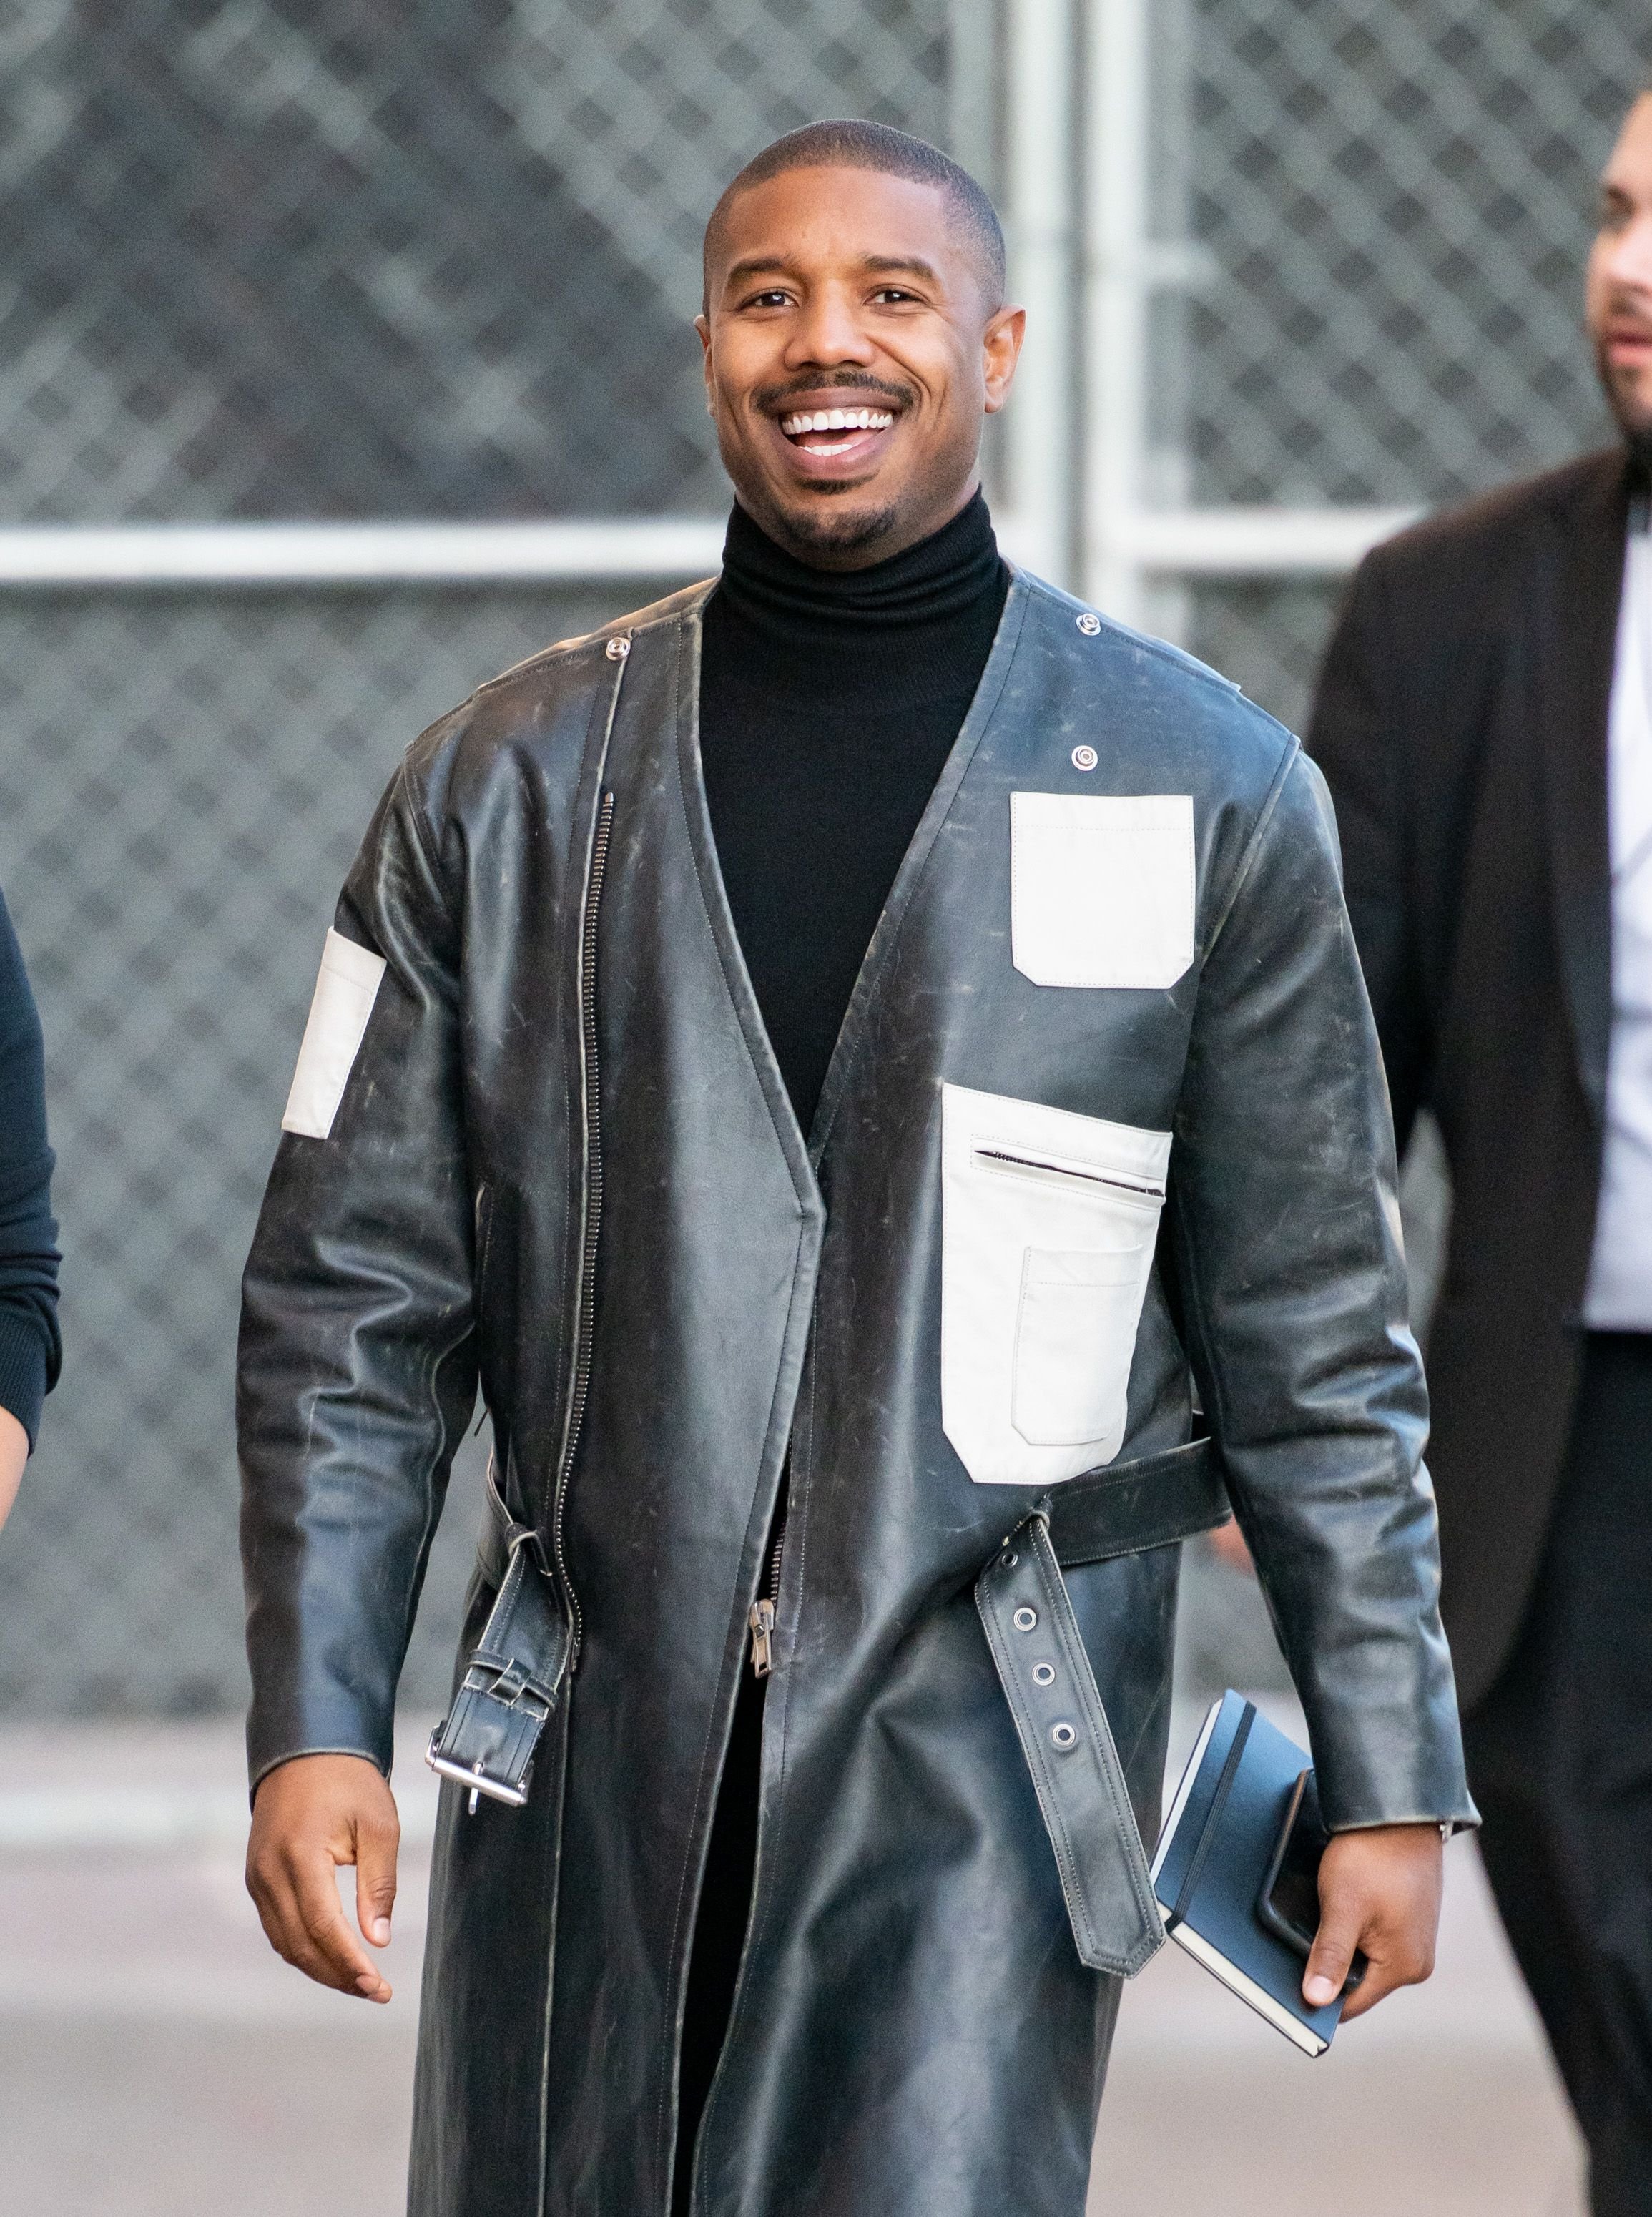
{"points": [[1396, 203], [299, 257]]}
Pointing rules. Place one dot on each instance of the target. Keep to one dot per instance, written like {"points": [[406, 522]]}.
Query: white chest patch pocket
{"points": [[1101, 887], [1048, 1226]]}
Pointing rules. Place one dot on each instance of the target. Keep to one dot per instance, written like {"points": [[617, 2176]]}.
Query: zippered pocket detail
{"points": [[1049, 1221], [1000, 1161]]}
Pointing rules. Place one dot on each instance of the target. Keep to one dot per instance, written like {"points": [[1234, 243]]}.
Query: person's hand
{"points": [[309, 1816], [14, 1454], [1228, 1546], [1378, 1892]]}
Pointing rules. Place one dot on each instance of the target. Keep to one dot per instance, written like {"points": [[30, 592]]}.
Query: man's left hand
{"points": [[1379, 1892]]}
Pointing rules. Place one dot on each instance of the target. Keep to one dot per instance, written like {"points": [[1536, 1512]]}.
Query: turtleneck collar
{"points": [[893, 622]]}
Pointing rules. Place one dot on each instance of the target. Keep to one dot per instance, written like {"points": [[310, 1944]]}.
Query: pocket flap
{"points": [[1106, 1266]]}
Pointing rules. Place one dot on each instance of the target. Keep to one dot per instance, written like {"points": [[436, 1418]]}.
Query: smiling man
{"points": [[1485, 718], [836, 1054]]}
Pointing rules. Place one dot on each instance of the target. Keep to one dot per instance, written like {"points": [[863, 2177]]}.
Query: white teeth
{"points": [[804, 421]]}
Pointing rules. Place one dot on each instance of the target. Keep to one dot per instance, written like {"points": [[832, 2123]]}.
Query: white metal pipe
{"points": [[665, 548], [1255, 542], [1212, 542], [1116, 336], [1040, 430]]}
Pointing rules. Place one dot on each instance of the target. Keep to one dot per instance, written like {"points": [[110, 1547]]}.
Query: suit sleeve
{"points": [[357, 1366], [1287, 1225], [30, 1350], [1355, 735]]}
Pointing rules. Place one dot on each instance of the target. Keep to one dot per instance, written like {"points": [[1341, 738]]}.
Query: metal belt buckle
{"points": [[487, 1739]]}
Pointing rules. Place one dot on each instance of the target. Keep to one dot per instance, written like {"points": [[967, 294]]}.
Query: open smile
{"points": [[832, 430], [834, 437]]}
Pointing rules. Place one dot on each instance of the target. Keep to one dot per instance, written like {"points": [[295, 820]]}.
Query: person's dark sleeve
{"points": [[1294, 1295], [30, 1349], [1354, 735]]}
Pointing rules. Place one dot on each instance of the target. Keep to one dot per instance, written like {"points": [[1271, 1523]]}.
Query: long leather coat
{"points": [[538, 1140]]}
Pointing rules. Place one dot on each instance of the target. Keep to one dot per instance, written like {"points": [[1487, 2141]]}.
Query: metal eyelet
{"points": [[1009, 1559], [1085, 758], [1044, 1674], [1024, 1619], [1089, 625], [618, 649], [1063, 1736]]}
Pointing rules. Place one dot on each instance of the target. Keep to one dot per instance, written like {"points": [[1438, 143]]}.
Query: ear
{"points": [[1000, 349], [703, 326]]}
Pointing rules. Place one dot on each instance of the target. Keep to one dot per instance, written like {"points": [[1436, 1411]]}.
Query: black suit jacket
{"points": [[1462, 724]]}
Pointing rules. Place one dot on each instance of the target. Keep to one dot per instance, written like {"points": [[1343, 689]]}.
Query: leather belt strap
{"points": [[1129, 1507], [515, 1677], [1028, 1615]]}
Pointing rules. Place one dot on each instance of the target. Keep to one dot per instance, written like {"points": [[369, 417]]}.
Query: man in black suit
{"points": [[1485, 720]]}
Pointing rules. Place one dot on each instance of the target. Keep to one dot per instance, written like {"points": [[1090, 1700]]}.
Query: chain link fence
{"points": [[323, 259], [1391, 205], [330, 258]]}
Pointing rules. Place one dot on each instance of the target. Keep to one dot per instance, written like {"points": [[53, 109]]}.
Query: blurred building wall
{"points": [[325, 259]]}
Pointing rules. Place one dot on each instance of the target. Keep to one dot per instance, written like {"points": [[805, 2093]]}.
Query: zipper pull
{"points": [[761, 1621]]}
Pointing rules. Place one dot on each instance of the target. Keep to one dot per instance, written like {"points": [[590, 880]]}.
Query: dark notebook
{"points": [[1236, 1867]]}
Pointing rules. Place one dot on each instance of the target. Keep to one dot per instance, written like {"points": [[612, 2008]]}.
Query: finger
{"points": [[1330, 1958], [283, 1919], [376, 1842], [330, 1952], [279, 1914]]}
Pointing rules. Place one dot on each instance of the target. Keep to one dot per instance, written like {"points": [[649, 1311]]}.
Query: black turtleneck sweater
{"points": [[829, 700], [827, 703]]}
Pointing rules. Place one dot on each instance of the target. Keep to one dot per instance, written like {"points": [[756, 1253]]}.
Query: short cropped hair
{"points": [[851, 144]]}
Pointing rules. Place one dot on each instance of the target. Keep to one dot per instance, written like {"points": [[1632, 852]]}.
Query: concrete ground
{"points": [[157, 2061]]}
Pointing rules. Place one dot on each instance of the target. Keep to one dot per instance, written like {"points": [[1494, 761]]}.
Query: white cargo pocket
{"points": [[1048, 1226], [1101, 887], [345, 992]]}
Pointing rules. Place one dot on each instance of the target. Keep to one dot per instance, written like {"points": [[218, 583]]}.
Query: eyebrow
{"points": [[759, 265]]}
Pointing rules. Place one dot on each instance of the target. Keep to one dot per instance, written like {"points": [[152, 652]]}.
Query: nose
{"points": [[1629, 256], [827, 333]]}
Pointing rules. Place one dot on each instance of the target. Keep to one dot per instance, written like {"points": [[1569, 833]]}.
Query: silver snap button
{"points": [[1089, 625], [618, 649], [1044, 1674], [1009, 1559], [1085, 758], [1063, 1736], [1024, 1619]]}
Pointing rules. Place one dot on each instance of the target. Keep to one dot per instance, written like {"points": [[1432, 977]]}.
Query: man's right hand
{"points": [[309, 1816]]}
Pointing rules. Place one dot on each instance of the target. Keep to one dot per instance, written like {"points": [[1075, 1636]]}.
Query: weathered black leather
{"points": [[914, 2031], [1027, 1613], [517, 1674]]}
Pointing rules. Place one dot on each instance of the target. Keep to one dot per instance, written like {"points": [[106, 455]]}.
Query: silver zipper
{"points": [[585, 1328], [998, 1158], [765, 1610]]}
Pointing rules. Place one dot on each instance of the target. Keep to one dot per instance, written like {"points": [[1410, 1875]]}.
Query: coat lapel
{"points": [[1572, 619]]}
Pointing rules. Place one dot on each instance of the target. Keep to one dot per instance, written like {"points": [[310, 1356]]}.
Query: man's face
{"points": [[844, 293], [1618, 297]]}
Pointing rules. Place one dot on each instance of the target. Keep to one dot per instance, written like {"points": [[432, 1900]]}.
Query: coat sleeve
{"points": [[357, 1366], [1289, 1251], [30, 1349], [1353, 736]]}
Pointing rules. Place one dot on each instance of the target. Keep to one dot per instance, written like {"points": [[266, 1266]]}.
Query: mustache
{"points": [[770, 398], [1634, 307]]}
